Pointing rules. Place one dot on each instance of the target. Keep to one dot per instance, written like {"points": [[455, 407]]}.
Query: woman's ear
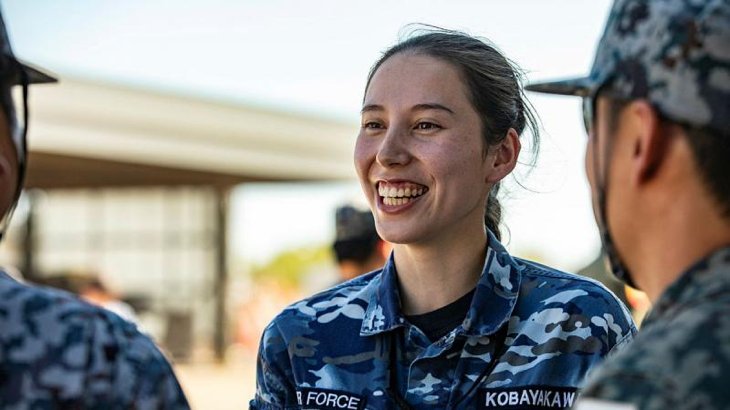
{"points": [[503, 156]]}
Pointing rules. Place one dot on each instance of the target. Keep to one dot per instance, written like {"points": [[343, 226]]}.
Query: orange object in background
{"points": [[639, 302]]}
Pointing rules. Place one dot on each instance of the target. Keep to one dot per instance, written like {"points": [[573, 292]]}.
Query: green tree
{"points": [[290, 266]]}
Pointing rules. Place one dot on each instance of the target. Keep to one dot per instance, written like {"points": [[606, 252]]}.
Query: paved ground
{"points": [[218, 387]]}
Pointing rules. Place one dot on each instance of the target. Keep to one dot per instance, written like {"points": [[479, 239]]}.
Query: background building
{"points": [[134, 186]]}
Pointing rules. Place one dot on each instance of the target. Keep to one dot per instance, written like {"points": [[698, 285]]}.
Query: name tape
{"points": [[326, 399], [527, 397]]}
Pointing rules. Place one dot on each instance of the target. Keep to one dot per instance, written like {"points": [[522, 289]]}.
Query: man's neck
{"points": [[689, 230]]}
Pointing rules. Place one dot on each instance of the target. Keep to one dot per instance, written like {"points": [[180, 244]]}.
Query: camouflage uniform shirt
{"points": [[57, 352], [528, 340], [681, 357]]}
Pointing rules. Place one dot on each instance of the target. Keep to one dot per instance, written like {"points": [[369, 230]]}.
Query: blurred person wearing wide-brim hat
{"points": [[57, 352], [657, 111]]}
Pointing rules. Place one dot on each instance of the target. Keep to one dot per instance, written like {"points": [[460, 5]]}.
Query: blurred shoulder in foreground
{"points": [[59, 352]]}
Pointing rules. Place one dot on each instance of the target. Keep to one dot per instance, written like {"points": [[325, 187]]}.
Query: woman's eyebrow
{"points": [[431, 106], [417, 107], [371, 107]]}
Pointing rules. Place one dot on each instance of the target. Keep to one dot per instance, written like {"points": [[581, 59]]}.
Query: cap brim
{"points": [[35, 75], [580, 87]]}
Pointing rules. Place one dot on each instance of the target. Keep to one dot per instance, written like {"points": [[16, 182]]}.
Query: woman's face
{"points": [[420, 153]]}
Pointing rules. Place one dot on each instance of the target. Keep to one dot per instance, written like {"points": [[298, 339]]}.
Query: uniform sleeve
{"points": [[645, 392], [127, 370], [274, 376], [615, 321], [623, 340], [157, 388]]}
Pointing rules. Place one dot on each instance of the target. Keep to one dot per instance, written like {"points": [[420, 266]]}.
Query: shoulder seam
{"points": [[630, 334]]}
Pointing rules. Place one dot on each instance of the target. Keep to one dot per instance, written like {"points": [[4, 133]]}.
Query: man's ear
{"points": [[651, 139], [504, 156]]}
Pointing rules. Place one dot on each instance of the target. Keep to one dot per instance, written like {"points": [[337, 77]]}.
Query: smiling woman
{"points": [[452, 320]]}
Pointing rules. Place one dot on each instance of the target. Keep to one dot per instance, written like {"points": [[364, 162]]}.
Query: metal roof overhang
{"points": [[85, 134]]}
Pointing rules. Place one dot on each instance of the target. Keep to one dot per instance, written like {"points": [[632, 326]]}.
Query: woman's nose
{"points": [[393, 149]]}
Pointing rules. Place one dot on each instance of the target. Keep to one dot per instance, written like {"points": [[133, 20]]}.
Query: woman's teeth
{"points": [[399, 195], [395, 201]]}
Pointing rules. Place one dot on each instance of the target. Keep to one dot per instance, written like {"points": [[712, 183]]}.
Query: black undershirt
{"points": [[441, 321]]}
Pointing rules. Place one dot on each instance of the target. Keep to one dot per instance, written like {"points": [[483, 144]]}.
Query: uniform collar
{"points": [[494, 299], [705, 279]]}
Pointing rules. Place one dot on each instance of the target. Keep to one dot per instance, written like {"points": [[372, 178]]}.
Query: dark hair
{"points": [[711, 150], [495, 90]]}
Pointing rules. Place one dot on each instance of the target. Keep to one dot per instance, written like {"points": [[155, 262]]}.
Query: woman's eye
{"points": [[426, 126], [372, 126]]}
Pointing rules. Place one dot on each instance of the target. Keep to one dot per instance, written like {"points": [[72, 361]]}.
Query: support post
{"points": [[220, 340], [28, 240]]}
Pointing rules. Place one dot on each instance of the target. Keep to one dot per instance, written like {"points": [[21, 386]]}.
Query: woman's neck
{"points": [[435, 274]]}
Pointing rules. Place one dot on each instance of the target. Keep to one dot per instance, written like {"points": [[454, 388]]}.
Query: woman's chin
{"points": [[401, 235]]}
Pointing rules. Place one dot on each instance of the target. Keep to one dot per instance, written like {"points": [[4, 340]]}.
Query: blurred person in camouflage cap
{"points": [[657, 111], [57, 352], [358, 247]]}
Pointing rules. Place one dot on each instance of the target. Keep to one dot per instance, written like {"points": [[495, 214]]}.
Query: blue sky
{"points": [[312, 57]]}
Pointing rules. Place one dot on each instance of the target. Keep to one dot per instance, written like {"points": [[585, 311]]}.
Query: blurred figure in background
{"points": [[657, 112], [358, 247], [94, 291], [57, 352], [89, 287]]}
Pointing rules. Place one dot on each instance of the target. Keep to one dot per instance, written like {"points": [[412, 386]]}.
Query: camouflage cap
{"points": [[674, 53], [12, 69], [351, 223]]}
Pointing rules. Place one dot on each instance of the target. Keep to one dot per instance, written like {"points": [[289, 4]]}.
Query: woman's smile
{"points": [[398, 196]]}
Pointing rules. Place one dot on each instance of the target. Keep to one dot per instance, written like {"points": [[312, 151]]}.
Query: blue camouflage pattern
{"points": [[57, 352], [681, 357], [674, 53], [556, 327]]}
